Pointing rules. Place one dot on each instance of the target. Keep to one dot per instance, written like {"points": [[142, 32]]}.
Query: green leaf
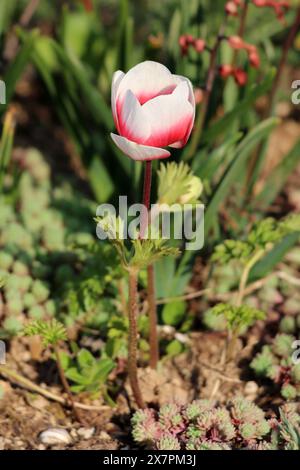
{"points": [[174, 312], [100, 180], [232, 172], [268, 263], [174, 348], [85, 358], [17, 67]]}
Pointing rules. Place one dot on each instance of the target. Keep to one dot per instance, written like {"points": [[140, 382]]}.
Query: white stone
{"points": [[54, 436], [86, 433]]}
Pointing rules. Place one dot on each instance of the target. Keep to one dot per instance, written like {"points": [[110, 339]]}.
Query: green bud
{"points": [[39, 270], [6, 260], [13, 325], [25, 283], [288, 324], [282, 345], [248, 431], [296, 373], [40, 290], [29, 300], [20, 269], [50, 307], [289, 392], [14, 307], [37, 312]]}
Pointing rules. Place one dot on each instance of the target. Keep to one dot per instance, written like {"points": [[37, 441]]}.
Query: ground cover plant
{"points": [[149, 225]]}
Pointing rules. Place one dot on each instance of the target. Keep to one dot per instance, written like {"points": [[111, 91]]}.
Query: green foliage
{"points": [[263, 236], [237, 319], [275, 362], [148, 251], [51, 332], [86, 372], [178, 184]]}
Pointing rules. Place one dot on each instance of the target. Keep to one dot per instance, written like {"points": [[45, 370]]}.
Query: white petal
{"points": [[180, 79], [137, 151], [147, 80], [133, 122], [116, 80], [170, 117]]}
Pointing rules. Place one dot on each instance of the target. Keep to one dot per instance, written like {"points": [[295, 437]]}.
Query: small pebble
{"points": [[86, 433], [251, 388], [53, 436], [103, 435]]}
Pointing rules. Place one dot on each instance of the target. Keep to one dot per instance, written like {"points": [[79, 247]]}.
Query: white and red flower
{"points": [[152, 109]]}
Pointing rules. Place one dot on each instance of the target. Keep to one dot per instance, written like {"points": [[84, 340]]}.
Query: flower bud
{"points": [[199, 45], [254, 59], [236, 42], [231, 8], [240, 76], [226, 70]]}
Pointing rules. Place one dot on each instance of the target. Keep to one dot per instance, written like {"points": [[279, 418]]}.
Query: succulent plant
{"points": [[275, 363], [205, 425]]}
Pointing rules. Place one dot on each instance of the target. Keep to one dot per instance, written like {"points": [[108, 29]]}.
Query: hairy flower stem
{"points": [[65, 383], [132, 339], [202, 113], [153, 339]]}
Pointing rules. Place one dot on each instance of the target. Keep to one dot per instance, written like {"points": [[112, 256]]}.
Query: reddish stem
{"points": [[153, 339], [146, 198], [132, 340]]}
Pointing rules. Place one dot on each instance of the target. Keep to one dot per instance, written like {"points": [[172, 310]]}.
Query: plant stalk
{"points": [[65, 383], [132, 340], [242, 27], [202, 112], [153, 338], [239, 300]]}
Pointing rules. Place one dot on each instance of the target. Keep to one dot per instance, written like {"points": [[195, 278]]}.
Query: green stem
{"points": [[245, 275], [231, 342], [132, 338]]}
